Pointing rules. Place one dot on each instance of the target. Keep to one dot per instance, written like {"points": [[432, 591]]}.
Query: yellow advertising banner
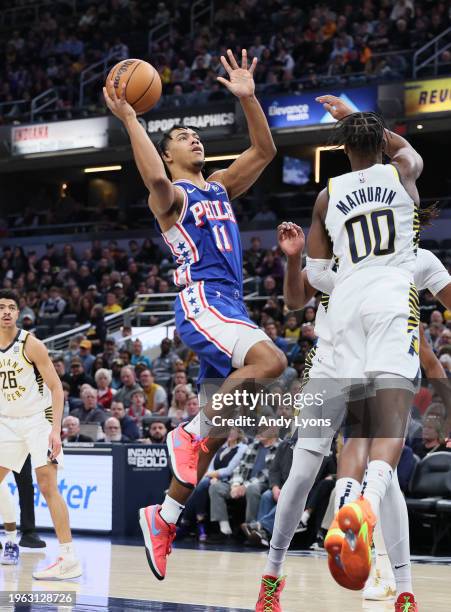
{"points": [[431, 96]]}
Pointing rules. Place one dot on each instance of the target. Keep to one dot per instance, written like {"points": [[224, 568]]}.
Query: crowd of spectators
{"points": [[299, 45], [115, 392]]}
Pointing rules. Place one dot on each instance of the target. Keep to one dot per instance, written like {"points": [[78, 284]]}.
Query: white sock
{"points": [[305, 517], [224, 527], [7, 510], [403, 578], [347, 490], [11, 536], [171, 510], [67, 551], [379, 477], [200, 425], [383, 564], [395, 528], [291, 505]]}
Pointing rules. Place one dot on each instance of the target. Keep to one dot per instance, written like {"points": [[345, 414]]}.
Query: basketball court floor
{"points": [[117, 578]]}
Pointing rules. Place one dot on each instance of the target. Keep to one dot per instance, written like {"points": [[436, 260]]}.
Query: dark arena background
{"points": [[94, 277]]}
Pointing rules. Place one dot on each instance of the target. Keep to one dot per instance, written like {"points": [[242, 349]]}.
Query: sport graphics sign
{"points": [[85, 483], [303, 110], [219, 117]]}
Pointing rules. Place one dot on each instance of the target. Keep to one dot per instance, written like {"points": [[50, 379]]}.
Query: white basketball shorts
{"points": [[22, 436]]}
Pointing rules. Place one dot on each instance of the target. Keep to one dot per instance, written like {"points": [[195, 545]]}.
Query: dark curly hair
{"points": [[364, 133]]}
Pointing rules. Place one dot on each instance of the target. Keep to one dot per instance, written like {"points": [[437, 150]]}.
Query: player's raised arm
{"points": [[38, 354], [397, 148], [163, 195], [246, 169]]}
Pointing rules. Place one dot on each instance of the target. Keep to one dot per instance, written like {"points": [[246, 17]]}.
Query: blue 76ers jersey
{"points": [[205, 241]]}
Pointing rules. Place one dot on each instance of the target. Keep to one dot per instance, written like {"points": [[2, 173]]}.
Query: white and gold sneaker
{"points": [[62, 569], [378, 588]]}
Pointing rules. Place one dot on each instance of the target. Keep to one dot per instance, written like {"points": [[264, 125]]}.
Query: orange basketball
{"points": [[142, 83]]}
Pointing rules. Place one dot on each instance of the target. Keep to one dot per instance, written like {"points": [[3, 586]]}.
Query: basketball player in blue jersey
{"points": [[197, 223]]}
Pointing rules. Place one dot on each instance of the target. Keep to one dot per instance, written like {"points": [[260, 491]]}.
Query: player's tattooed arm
{"points": [[246, 169], [296, 288], [38, 354], [163, 195]]}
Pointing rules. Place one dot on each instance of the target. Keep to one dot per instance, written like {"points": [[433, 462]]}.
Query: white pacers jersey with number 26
{"points": [[371, 220], [22, 390]]}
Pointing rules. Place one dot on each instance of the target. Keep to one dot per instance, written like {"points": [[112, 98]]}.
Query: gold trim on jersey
{"points": [[308, 366], [329, 187], [39, 380], [49, 415], [22, 349], [416, 228], [395, 172], [414, 309], [325, 299]]}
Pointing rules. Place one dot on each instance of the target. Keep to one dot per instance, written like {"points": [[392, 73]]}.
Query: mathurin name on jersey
{"points": [[366, 195]]}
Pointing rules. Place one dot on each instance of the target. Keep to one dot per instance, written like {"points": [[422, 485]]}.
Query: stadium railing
{"points": [[199, 10], [96, 72], [18, 16], [44, 100], [434, 48], [146, 307], [399, 67], [114, 322]]}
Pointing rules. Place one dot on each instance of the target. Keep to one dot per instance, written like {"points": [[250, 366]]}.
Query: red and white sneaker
{"points": [[406, 603], [183, 449], [62, 569], [269, 596], [158, 538]]}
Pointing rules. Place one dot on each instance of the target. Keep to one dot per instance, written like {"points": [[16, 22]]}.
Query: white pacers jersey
{"points": [[371, 220], [429, 273], [22, 389]]}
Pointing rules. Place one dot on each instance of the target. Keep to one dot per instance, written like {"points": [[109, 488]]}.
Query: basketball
{"points": [[142, 83]]}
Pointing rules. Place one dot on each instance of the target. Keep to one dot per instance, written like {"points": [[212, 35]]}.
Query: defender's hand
{"points": [[241, 82], [291, 238], [336, 107], [119, 106]]}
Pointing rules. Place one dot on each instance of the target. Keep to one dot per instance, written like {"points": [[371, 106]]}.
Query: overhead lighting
{"points": [[318, 151], [419, 126], [102, 169], [214, 158], [64, 186]]}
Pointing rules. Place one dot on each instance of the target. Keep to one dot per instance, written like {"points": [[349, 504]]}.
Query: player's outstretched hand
{"points": [[241, 82], [336, 107], [291, 238], [118, 105]]}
